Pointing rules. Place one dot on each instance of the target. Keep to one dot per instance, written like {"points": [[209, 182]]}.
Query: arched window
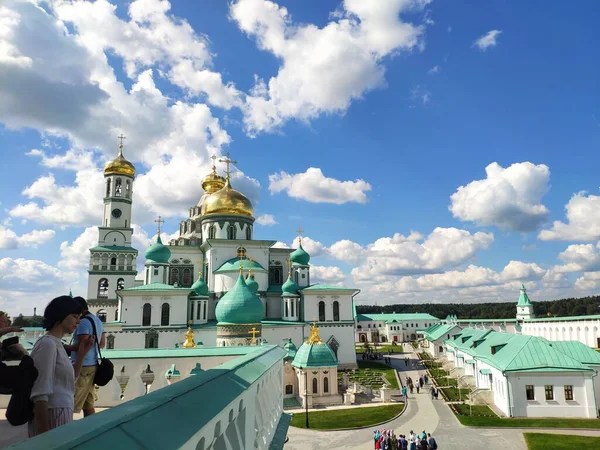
{"points": [[113, 261], [275, 273], [231, 232], [186, 278], [108, 187], [146, 314], [118, 187], [336, 310], [110, 342], [174, 276], [102, 315], [120, 283], [326, 384], [315, 386], [321, 311], [212, 232], [164, 314], [103, 288], [152, 339], [127, 189], [248, 233]]}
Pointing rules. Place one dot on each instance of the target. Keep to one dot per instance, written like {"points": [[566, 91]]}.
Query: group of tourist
{"points": [[423, 379], [387, 440], [63, 374]]}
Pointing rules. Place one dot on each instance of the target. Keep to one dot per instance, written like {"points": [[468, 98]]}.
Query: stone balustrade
{"points": [[236, 403]]}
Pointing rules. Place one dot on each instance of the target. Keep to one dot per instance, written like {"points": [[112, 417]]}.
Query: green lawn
{"points": [[538, 441], [483, 416], [455, 395], [347, 418], [388, 372], [371, 373]]}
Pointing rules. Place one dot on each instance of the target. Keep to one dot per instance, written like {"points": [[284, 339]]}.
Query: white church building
{"points": [[185, 280]]}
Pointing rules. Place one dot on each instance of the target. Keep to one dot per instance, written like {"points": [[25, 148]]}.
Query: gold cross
{"points": [[120, 138], [299, 231], [241, 265], [250, 270], [253, 332], [228, 161], [289, 267], [214, 167], [159, 221]]}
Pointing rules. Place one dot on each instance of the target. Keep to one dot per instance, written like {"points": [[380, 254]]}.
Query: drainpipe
{"points": [[508, 395], [594, 392]]}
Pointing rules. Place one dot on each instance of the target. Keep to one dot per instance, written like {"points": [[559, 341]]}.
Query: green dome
{"points": [[158, 253], [289, 287], [299, 256], [314, 352], [200, 287], [252, 283], [291, 349], [240, 305]]}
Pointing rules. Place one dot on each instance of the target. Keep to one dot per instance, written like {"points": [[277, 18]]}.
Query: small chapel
{"points": [[215, 278]]}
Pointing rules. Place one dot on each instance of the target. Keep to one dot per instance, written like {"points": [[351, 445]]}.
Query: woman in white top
{"points": [[53, 392]]}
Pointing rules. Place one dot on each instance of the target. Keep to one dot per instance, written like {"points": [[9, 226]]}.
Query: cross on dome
{"points": [[228, 161], [299, 231], [120, 138], [159, 221]]}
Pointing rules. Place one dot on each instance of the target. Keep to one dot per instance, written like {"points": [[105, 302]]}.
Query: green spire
{"points": [[200, 287], [158, 252], [523, 298], [299, 256], [70, 293], [289, 288]]}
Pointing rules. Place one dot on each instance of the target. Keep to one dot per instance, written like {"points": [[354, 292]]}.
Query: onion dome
{"points": [[252, 283], [239, 305], [314, 352], [158, 253], [290, 349], [289, 288], [228, 201], [119, 165], [299, 256], [200, 287], [213, 182]]}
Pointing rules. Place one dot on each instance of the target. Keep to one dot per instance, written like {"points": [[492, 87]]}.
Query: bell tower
{"points": [[113, 260], [524, 306]]}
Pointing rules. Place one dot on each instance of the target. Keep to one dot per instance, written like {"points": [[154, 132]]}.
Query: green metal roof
{"points": [[274, 288], [233, 265], [438, 331], [326, 287], [486, 320], [239, 305], [195, 352], [156, 287], [315, 355], [252, 283], [470, 361], [397, 317], [485, 371], [579, 351], [114, 248], [523, 297], [564, 318], [200, 287], [299, 256], [160, 419], [290, 349], [158, 252], [289, 288]]}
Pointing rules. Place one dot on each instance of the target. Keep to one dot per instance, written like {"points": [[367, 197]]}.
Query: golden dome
{"points": [[213, 182], [119, 165], [228, 201]]}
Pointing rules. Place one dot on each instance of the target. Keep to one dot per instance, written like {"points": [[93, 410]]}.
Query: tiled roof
{"points": [[157, 287]]}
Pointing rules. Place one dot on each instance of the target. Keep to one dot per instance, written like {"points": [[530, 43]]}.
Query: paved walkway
{"points": [[422, 413]]}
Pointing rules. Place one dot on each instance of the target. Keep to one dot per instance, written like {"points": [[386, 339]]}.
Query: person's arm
{"points": [[8, 330], [83, 347], [103, 340], [44, 359]]}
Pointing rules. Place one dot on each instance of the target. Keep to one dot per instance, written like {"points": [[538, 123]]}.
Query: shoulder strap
{"points": [[95, 334]]}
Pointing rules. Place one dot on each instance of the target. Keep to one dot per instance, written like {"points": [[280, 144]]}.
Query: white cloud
{"points": [[509, 198], [327, 274], [405, 255], [10, 240], [434, 70], [312, 247], [322, 69], [583, 220], [580, 258], [266, 220], [590, 282], [348, 251], [421, 95], [280, 244], [76, 255], [314, 187], [490, 39]]}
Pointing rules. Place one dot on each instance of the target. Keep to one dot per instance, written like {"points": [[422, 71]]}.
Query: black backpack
{"points": [[20, 407], [106, 370]]}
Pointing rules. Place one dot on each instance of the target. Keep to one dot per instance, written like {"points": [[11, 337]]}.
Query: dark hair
{"points": [[58, 309], [81, 301]]}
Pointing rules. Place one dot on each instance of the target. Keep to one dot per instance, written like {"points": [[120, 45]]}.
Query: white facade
{"points": [[404, 329], [582, 329]]}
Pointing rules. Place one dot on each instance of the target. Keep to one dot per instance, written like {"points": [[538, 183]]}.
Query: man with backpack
{"points": [[86, 362], [431, 441]]}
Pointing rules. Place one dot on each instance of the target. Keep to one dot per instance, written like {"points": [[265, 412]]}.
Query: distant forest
{"points": [[564, 307]]}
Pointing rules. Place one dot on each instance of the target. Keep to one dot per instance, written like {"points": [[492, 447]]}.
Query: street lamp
{"points": [[306, 395]]}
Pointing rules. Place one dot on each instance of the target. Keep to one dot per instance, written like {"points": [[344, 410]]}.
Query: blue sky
{"points": [[394, 106]]}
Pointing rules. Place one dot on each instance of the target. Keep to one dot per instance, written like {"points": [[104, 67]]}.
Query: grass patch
{"points": [[483, 416], [539, 441], [383, 369], [347, 418], [455, 395]]}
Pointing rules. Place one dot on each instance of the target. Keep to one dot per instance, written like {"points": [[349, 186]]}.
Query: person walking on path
{"points": [[426, 378], [404, 392], [432, 443], [402, 443], [406, 361], [432, 392], [418, 388]]}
